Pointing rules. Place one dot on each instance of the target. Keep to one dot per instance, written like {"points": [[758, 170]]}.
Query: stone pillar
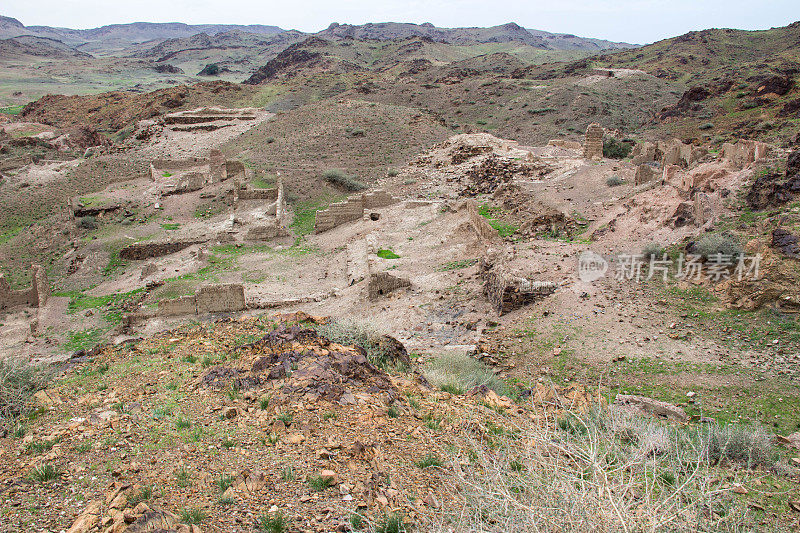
{"points": [[41, 285], [593, 144], [280, 205], [216, 161]]}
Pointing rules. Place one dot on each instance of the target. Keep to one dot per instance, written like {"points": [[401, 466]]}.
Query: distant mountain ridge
{"points": [[120, 36]]}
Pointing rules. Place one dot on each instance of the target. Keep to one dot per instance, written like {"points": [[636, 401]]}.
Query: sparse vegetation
{"points": [[614, 181], [459, 372], [387, 254], [364, 334], [19, 381], [343, 180], [713, 244], [616, 149]]}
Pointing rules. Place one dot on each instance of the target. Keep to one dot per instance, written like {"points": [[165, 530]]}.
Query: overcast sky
{"points": [[636, 21]]}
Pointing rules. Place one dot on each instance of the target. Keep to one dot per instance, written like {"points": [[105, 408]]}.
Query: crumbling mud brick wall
{"points": [[351, 209], [184, 305], [743, 152], [34, 296], [593, 143], [377, 198], [221, 298], [225, 298], [218, 166], [563, 143], [479, 224], [644, 174], [506, 290], [382, 283], [339, 213], [149, 249]]}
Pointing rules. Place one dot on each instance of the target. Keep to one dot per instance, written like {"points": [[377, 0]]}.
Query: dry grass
{"points": [[458, 373], [19, 381], [603, 471]]}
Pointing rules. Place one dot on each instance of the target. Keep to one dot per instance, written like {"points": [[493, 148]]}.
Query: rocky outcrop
{"points": [[649, 406]]}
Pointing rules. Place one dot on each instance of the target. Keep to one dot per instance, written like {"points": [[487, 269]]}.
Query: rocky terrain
{"points": [[395, 277]]}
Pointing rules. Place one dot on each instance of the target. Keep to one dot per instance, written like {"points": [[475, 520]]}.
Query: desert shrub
{"points": [[364, 334], [87, 222], [392, 172], [193, 516], [45, 473], [393, 523], [653, 249], [613, 181], [340, 178], [614, 149], [605, 470], [19, 381], [717, 243], [459, 372], [747, 446], [705, 126], [277, 523]]}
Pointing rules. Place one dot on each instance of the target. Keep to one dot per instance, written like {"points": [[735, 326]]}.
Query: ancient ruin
{"points": [[351, 209], [593, 143], [34, 296]]}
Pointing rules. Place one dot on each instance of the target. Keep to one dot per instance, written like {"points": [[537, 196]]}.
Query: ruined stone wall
{"points": [[146, 250], [382, 283], [34, 296], [482, 228], [743, 152], [339, 213], [183, 305], [221, 298], [593, 143], [377, 198]]}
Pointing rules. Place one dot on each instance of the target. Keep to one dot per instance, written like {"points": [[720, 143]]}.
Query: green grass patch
{"points": [[387, 254]]}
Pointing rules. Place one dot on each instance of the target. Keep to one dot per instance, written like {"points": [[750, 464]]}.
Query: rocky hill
{"points": [[736, 80]]}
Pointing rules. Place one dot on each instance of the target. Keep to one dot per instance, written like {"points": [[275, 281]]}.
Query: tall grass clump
{"points": [[717, 243], [605, 470], [460, 372], [381, 350], [341, 179], [19, 381]]}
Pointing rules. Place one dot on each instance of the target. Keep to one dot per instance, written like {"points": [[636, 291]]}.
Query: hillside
{"points": [[743, 81]]}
